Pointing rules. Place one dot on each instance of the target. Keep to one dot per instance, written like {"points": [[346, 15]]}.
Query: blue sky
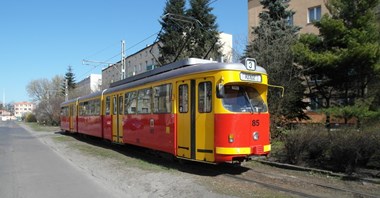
{"points": [[41, 38]]}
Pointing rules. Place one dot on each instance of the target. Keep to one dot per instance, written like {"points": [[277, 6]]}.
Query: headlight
{"points": [[255, 135], [231, 138]]}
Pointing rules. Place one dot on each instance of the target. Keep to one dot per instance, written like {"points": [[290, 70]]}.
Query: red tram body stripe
{"points": [[90, 125], [107, 127], [154, 131], [65, 123]]}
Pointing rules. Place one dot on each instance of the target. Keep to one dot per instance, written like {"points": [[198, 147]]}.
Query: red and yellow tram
{"points": [[193, 109]]}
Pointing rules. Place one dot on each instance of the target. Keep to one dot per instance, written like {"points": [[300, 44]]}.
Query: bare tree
{"points": [[46, 93]]}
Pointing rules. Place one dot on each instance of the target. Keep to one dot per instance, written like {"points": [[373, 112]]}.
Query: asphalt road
{"points": [[30, 169]]}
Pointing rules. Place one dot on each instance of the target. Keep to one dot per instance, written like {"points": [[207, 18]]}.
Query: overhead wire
{"points": [[118, 54]]}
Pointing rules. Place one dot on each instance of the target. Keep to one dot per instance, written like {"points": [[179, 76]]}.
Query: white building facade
{"points": [[91, 84], [225, 41], [22, 108]]}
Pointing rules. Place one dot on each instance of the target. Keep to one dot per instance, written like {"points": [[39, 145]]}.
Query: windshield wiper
{"points": [[247, 98]]}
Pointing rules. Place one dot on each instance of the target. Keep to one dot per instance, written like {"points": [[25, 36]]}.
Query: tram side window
{"points": [[83, 108], [108, 105], [120, 105], [96, 107], [91, 109], [183, 98], [162, 99], [114, 105], [204, 97], [130, 103], [144, 101], [64, 111]]}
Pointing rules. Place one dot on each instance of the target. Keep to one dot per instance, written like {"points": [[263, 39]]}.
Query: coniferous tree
{"points": [[188, 33], [344, 57], [70, 79], [173, 32], [205, 35], [271, 47]]}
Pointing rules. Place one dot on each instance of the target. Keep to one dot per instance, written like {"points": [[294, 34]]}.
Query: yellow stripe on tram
{"points": [[229, 151]]}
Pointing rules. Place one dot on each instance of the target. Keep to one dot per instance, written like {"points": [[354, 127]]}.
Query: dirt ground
{"points": [[129, 175], [126, 176]]}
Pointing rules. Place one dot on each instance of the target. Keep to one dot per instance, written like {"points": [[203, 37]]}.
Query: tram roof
{"points": [[165, 68], [188, 66]]}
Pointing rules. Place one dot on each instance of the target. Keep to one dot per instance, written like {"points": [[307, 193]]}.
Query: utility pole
{"points": [[66, 90], [122, 75], [3, 99]]}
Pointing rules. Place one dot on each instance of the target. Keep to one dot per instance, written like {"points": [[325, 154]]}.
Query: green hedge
{"points": [[339, 150]]}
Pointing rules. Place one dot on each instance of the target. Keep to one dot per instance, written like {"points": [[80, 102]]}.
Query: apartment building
{"points": [[146, 59], [139, 62], [21, 108], [91, 84], [306, 11]]}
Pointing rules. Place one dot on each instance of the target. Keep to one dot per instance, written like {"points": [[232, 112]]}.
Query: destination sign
{"points": [[250, 77]]}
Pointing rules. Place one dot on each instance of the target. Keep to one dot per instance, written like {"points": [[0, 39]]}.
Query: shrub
{"points": [[306, 145], [341, 150], [353, 148], [30, 117]]}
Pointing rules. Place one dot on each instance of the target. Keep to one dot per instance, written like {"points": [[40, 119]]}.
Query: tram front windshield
{"points": [[240, 98]]}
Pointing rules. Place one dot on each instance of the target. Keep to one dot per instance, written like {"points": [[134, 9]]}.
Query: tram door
{"points": [[74, 118], [71, 118], [195, 128], [117, 118]]}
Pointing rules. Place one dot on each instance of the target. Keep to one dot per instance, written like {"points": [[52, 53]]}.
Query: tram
{"points": [[193, 109]]}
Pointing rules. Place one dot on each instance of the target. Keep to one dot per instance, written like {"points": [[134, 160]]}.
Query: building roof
{"points": [[23, 103]]}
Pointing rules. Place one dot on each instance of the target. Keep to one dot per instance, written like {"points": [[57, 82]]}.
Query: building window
{"points": [[314, 14], [289, 20], [315, 103]]}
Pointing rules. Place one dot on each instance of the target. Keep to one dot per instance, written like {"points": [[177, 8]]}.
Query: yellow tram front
{"points": [[222, 113], [241, 114]]}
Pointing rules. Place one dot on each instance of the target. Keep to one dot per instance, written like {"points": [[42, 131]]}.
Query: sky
{"points": [[40, 39]]}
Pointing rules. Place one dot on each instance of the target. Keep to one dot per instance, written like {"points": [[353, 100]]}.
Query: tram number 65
{"points": [[255, 122]]}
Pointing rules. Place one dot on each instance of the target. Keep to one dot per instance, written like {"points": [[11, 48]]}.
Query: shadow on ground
{"points": [[159, 158]]}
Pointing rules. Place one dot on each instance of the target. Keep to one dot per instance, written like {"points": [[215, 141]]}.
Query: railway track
{"points": [[331, 187], [293, 185]]}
